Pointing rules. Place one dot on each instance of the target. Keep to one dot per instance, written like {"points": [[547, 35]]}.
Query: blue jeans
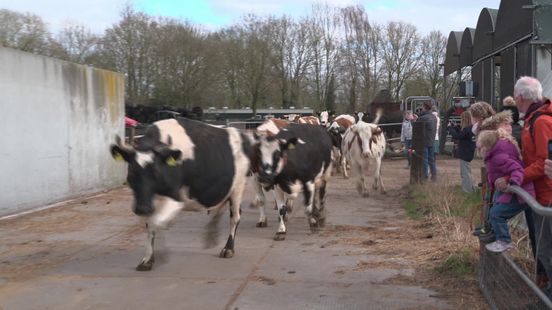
{"points": [[428, 164], [500, 213], [407, 146]]}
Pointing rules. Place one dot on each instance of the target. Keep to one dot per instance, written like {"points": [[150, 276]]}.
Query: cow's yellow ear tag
{"points": [[291, 146], [170, 161], [118, 157]]}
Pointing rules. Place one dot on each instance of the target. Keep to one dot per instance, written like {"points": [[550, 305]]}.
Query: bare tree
{"points": [[432, 55], [401, 55], [129, 44], [291, 57], [180, 63], [76, 43], [230, 54], [360, 57], [325, 42], [249, 54], [26, 32]]}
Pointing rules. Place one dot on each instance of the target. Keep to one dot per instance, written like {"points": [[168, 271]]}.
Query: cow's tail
{"points": [[212, 228], [379, 112]]}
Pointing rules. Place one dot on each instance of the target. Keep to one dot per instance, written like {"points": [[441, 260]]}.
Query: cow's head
{"points": [[336, 134], [273, 155], [151, 170], [324, 118], [367, 134]]}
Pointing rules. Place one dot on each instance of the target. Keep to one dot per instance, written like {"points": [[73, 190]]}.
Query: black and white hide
{"points": [[181, 163], [297, 159]]}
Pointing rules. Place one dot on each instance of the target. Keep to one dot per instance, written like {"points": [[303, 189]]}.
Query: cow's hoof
{"points": [[226, 253], [322, 222], [262, 224], [365, 195], [280, 236], [383, 192], [145, 266], [314, 228]]}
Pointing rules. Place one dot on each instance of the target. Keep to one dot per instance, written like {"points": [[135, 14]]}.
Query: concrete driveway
{"points": [[82, 254]]}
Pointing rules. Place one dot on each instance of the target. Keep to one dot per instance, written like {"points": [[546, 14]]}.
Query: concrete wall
{"points": [[57, 122], [544, 70]]}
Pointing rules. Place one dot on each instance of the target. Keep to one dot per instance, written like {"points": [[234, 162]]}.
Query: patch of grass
{"points": [[458, 264], [465, 202], [416, 204], [412, 210]]}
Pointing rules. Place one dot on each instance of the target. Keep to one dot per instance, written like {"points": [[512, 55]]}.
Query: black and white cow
{"points": [[297, 159], [186, 162]]}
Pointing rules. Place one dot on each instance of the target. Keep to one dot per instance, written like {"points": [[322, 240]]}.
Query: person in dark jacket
{"points": [[430, 120], [465, 149]]}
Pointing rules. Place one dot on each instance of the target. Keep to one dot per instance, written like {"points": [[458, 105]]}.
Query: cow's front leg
{"points": [[358, 170], [260, 201], [235, 215], [344, 166], [282, 214], [308, 192], [321, 213], [147, 262], [378, 183]]}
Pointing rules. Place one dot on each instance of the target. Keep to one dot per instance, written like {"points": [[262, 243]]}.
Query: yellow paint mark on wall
{"points": [[113, 85]]}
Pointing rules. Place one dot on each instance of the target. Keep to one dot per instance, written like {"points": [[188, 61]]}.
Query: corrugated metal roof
{"points": [[483, 41], [466, 47], [452, 57], [514, 21]]}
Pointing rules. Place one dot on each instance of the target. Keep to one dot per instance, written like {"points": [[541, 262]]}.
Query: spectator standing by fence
{"points": [[428, 163], [406, 135], [465, 150], [435, 112], [509, 104], [537, 130], [480, 111], [503, 159]]}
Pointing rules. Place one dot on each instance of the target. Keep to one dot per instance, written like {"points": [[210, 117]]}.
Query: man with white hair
{"points": [[537, 130]]}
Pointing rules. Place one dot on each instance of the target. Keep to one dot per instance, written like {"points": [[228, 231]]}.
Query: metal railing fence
{"points": [[503, 283]]}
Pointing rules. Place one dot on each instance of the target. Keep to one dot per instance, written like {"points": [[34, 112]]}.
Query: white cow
{"points": [[363, 146], [325, 118]]}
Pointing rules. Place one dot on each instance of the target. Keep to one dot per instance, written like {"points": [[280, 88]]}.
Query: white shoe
{"points": [[499, 246]]}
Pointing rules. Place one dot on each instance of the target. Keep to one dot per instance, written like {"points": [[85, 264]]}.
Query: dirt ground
{"points": [[374, 232]]}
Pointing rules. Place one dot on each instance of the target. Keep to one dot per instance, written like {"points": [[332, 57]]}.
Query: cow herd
{"points": [[180, 163]]}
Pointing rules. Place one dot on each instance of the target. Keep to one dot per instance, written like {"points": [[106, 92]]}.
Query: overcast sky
{"points": [[97, 15]]}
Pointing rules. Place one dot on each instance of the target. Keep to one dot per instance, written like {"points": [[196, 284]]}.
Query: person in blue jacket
{"points": [[465, 150]]}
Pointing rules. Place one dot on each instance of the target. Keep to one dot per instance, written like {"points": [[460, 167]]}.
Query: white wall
{"points": [[57, 122], [544, 70]]}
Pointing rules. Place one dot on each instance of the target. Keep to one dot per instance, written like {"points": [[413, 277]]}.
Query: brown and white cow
{"points": [[313, 120], [296, 118], [363, 146], [186, 162]]}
